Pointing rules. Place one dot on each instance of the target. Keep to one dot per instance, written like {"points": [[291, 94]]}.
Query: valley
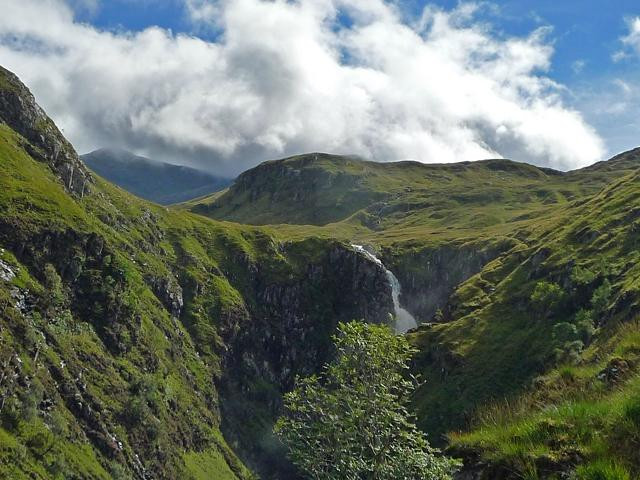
{"points": [[144, 341]]}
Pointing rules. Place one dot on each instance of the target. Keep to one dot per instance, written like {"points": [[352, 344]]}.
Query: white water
{"points": [[403, 319]]}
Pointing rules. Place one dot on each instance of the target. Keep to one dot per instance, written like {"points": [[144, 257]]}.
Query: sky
{"points": [[225, 84]]}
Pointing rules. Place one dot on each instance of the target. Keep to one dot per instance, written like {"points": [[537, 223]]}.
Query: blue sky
{"points": [[583, 30], [549, 82]]}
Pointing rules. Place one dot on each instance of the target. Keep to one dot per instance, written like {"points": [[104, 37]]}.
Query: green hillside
{"points": [[321, 189], [133, 336]]}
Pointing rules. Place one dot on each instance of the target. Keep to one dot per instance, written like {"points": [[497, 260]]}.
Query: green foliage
{"points": [[632, 411], [564, 332], [54, 296], [601, 297], [602, 470], [546, 297], [582, 275], [584, 325], [352, 423]]}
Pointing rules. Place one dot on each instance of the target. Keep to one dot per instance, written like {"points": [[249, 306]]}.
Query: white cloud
{"points": [[286, 77], [578, 66], [631, 41], [623, 86]]}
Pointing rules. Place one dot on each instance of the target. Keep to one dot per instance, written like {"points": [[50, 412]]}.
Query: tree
{"points": [[601, 297], [352, 422], [546, 297]]}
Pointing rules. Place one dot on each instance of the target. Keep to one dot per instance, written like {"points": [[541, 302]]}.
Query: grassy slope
{"points": [[99, 359], [144, 375], [397, 202], [579, 409], [150, 377]]}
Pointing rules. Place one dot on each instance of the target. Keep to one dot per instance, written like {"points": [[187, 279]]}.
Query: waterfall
{"points": [[403, 319]]}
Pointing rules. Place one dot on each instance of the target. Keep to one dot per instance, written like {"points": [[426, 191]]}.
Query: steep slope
{"points": [[549, 331], [133, 336], [159, 182]]}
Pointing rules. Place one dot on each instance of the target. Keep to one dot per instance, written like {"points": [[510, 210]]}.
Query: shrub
{"points": [[53, 296], [564, 332], [569, 351], [584, 325], [546, 297], [601, 297]]}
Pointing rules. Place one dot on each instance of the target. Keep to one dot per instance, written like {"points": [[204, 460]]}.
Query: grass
{"points": [[572, 417]]}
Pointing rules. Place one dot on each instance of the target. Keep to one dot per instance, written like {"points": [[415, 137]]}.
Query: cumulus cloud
{"points": [[285, 77]]}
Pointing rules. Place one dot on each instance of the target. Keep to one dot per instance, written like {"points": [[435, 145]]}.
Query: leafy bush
{"points": [[601, 297], [54, 296], [584, 325], [546, 297], [564, 332], [569, 351]]}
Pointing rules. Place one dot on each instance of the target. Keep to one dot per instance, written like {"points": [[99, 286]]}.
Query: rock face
{"points": [[19, 110], [429, 276], [169, 292], [287, 333]]}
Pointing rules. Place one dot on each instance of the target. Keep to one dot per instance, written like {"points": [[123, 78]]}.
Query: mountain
{"points": [[320, 189], [159, 182], [139, 341]]}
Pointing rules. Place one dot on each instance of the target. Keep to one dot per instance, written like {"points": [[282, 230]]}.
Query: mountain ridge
{"points": [[320, 189]]}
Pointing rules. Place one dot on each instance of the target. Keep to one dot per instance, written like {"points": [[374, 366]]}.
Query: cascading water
{"points": [[403, 319]]}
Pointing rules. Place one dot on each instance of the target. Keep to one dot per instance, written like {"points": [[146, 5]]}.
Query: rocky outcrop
{"points": [[286, 333], [169, 292], [19, 110]]}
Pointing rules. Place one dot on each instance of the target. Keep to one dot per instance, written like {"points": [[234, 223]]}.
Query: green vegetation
{"points": [[352, 423]]}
